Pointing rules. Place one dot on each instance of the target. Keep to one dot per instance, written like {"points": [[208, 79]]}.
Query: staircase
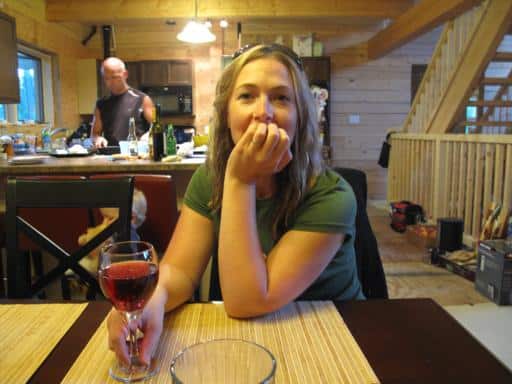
{"points": [[464, 50], [489, 108], [434, 161]]}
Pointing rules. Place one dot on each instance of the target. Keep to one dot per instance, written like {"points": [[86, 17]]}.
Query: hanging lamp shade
{"points": [[196, 32]]}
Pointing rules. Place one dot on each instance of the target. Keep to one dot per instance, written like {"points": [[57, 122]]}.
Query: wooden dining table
{"points": [[404, 340]]}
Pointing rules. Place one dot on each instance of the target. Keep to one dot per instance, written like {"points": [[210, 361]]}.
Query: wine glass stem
{"points": [[133, 347]]}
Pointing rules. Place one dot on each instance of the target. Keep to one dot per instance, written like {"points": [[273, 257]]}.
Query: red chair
{"points": [[162, 212]]}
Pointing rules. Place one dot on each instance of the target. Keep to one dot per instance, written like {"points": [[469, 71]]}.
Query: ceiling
{"points": [[389, 23]]}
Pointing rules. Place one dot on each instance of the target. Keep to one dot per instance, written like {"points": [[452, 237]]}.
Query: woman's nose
{"points": [[264, 111]]}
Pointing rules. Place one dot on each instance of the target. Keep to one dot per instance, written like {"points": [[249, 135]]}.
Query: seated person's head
{"points": [[139, 209]]}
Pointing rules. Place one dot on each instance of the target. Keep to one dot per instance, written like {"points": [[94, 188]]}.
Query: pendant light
{"points": [[196, 32]]}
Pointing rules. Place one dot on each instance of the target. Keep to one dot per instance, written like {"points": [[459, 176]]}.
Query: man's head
{"points": [[114, 74]]}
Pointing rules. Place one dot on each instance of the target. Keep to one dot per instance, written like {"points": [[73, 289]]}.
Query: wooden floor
{"points": [[408, 271]]}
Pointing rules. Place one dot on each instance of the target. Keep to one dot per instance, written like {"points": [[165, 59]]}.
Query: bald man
{"points": [[112, 113]]}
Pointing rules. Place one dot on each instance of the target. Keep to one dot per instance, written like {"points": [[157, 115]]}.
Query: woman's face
{"points": [[263, 92]]}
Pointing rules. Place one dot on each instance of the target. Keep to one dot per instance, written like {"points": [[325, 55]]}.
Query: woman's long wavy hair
{"points": [[300, 174]]}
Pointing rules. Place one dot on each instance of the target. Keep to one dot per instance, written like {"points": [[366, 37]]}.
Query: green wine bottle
{"points": [[171, 140]]}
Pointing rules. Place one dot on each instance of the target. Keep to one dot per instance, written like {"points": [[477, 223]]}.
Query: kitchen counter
{"points": [[97, 164], [180, 170]]}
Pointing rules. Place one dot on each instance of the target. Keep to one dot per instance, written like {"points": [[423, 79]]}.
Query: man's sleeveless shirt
{"points": [[115, 112]]}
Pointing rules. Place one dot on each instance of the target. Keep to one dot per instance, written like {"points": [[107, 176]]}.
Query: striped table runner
{"points": [[310, 341], [28, 333]]}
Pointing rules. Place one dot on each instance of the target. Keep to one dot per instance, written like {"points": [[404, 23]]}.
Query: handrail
{"points": [[449, 51]]}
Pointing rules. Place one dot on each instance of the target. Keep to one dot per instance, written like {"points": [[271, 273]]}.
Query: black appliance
{"points": [[173, 99], [184, 133], [449, 234]]}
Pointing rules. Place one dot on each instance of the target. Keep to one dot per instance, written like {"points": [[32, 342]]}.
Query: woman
{"points": [[279, 226]]}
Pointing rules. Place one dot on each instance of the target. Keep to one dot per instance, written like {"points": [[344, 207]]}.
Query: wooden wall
{"points": [[62, 41], [379, 93]]}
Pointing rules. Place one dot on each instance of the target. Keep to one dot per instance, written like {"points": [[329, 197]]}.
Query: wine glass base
{"points": [[134, 373]]}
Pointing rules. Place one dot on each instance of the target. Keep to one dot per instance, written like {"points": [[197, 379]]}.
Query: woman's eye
{"points": [[283, 98], [244, 96]]}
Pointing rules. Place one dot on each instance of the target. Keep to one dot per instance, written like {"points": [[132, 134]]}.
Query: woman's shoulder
{"points": [[201, 178], [328, 181]]}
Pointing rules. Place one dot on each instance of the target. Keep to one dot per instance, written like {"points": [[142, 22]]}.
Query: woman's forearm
{"points": [[242, 267], [174, 287]]}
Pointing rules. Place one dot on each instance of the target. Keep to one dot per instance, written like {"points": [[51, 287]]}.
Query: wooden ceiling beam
{"points": [[94, 11], [422, 17]]}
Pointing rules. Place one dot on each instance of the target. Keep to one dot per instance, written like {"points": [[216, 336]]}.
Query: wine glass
{"points": [[128, 274]]}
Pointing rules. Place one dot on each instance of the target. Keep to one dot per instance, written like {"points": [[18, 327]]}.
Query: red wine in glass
{"points": [[129, 284], [128, 274]]}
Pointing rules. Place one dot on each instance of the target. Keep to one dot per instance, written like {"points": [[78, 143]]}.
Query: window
{"points": [[36, 94], [31, 100]]}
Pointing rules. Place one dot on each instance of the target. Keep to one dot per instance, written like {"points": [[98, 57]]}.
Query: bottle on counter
{"points": [[171, 140], [150, 135], [46, 140], [158, 136], [132, 138]]}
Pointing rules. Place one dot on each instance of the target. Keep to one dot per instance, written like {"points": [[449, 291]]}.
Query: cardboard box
{"points": [[422, 235], [494, 271]]}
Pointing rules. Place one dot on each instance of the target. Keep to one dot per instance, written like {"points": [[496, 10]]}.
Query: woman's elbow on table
{"points": [[244, 308]]}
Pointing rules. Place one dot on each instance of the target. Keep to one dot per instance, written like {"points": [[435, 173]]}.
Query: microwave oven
{"points": [[173, 99]]}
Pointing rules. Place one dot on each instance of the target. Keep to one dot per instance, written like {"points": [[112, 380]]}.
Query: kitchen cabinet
{"points": [[165, 72], [133, 69], [318, 71], [180, 72], [9, 85], [153, 73]]}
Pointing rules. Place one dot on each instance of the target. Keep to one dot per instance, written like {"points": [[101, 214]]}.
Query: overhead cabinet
{"points": [[9, 85], [155, 73]]}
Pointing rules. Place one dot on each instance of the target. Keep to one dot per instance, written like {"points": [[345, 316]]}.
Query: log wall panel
{"points": [[379, 92]]}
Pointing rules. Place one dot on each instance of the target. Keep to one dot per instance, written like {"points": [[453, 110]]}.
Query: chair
{"points": [[58, 194], [49, 220], [369, 264], [162, 212]]}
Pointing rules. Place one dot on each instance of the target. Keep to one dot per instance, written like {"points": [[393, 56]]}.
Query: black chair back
{"points": [[23, 194], [369, 263]]}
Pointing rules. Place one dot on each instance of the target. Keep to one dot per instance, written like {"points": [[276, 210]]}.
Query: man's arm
{"points": [[96, 130], [147, 109]]}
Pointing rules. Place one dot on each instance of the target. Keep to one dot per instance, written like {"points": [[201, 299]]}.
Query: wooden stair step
{"points": [[502, 56], [485, 123], [490, 103], [496, 81]]}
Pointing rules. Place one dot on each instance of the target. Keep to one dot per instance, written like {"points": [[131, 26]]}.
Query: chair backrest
{"points": [[59, 193], [369, 264], [162, 208], [49, 220]]}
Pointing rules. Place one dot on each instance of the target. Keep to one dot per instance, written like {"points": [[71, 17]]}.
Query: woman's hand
{"points": [[150, 323], [263, 150]]}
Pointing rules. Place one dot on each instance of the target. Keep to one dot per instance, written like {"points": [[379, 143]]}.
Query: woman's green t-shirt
{"points": [[329, 206]]}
